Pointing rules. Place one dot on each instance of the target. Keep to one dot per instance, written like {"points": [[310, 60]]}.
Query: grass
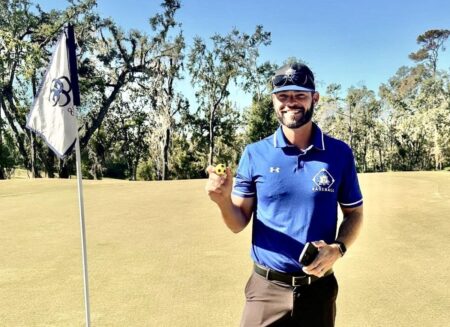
{"points": [[159, 255]]}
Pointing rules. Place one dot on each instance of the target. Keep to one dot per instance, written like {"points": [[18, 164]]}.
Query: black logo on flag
{"points": [[59, 91]]}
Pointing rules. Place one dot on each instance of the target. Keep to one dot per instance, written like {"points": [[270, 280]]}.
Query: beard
{"points": [[296, 116]]}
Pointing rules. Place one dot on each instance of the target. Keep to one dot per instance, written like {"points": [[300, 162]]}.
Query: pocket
{"points": [[251, 285], [333, 286], [248, 284], [256, 287], [325, 289]]}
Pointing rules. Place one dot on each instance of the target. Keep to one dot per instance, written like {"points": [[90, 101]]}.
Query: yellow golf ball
{"points": [[220, 169]]}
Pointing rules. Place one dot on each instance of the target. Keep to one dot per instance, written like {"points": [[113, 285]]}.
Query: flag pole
{"points": [[53, 116], [83, 232]]}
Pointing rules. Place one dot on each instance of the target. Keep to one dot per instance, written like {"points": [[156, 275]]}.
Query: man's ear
{"points": [[316, 97]]}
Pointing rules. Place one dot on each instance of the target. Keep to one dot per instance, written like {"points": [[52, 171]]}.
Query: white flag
{"points": [[53, 113]]}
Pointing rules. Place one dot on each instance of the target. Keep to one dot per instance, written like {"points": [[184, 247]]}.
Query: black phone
{"points": [[308, 254]]}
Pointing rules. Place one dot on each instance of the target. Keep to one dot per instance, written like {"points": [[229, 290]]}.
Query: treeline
{"points": [[135, 123]]}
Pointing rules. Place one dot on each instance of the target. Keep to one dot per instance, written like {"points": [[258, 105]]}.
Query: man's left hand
{"points": [[328, 254]]}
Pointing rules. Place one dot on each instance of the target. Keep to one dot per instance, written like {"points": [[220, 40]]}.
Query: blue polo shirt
{"points": [[297, 194]]}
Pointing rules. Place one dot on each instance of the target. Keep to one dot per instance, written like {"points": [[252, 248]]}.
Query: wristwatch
{"points": [[342, 247]]}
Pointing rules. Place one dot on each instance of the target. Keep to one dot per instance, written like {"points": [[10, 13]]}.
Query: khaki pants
{"points": [[273, 303]]}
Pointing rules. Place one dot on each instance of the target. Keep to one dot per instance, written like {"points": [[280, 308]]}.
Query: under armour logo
{"points": [[59, 91], [274, 169]]}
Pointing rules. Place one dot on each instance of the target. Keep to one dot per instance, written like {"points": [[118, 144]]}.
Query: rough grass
{"points": [[159, 255]]}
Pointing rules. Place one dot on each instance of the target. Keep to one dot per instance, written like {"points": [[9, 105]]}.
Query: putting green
{"points": [[159, 255]]}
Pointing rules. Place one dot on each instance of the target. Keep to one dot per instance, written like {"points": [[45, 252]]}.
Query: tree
{"points": [[432, 42], [363, 112], [109, 60], [418, 110], [260, 119], [25, 38], [258, 80], [356, 120], [329, 112], [434, 102], [166, 102], [226, 125], [8, 155], [213, 70], [129, 128], [120, 60]]}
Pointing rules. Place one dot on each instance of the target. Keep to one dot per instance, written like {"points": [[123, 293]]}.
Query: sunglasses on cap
{"points": [[292, 79]]}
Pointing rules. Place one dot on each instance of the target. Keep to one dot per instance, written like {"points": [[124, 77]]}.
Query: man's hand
{"points": [[219, 187], [328, 254]]}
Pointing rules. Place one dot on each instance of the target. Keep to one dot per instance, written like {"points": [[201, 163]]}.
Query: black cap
{"points": [[293, 77]]}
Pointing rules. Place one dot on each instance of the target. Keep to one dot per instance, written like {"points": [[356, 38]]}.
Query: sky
{"points": [[350, 42]]}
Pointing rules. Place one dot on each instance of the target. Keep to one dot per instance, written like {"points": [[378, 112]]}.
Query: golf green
{"points": [[159, 255]]}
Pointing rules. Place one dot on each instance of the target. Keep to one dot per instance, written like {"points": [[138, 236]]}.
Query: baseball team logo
{"points": [[323, 181]]}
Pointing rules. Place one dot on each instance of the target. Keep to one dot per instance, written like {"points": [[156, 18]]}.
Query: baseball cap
{"points": [[293, 77]]}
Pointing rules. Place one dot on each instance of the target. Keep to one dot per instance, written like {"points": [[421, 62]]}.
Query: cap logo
{"points": [[290, 72]]}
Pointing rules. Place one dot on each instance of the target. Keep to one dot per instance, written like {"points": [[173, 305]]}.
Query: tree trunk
{"points": [[130, 166], [34, 169], [33, 156], [64, 171], [135, 167], [381, 159], [2, 175], [350, 128], [211, 138], [365, 158], [166, 146], [17, 134], [50, 164], [132, 173]]}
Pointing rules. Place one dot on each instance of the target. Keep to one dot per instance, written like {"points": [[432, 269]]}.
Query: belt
{"points": [[293, 280]]}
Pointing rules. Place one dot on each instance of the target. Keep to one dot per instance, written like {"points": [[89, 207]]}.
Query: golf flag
{"points": [[53, 113], [53, 116]]}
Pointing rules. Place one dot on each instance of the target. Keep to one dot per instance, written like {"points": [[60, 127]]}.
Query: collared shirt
{"points": [[297, 194]]}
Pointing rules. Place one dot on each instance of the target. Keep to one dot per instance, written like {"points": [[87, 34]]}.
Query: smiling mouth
{"points": [[292, 111]]}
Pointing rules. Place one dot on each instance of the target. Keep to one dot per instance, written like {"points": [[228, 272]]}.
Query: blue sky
{"points": [[344, 41]]}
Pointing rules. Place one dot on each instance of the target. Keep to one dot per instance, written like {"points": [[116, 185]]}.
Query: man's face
{"points": [[294, 108]]}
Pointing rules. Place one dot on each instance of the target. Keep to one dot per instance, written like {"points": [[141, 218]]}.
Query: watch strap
{"points": [[341, 246]]}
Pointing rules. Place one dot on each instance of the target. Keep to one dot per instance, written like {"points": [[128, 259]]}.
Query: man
{"points": [[291, 183]]}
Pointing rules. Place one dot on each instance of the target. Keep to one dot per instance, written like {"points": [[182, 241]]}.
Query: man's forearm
{"points": [[233, 216], [350, 226]]}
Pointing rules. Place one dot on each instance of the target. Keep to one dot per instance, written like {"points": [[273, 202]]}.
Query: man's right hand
{"points": [[219, 187], [236, 211]]}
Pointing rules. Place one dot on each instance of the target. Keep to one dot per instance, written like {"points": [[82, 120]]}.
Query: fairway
{"points": [[159, 255]]}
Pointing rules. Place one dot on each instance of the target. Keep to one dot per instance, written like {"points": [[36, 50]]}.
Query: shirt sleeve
{"points": [[350, 195], [244, 185]]}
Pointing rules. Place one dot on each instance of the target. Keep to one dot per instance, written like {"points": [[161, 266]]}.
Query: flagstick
{"points": [[83, 232]]}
